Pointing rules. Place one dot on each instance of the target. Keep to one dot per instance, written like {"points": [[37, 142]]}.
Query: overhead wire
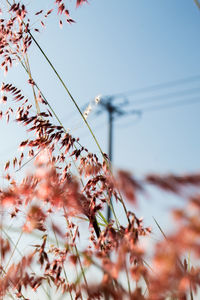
{"points": [[164, 101], [155, 87], [153, 108], [162, 107], [167, 96], [172, 104], [167, 84]]}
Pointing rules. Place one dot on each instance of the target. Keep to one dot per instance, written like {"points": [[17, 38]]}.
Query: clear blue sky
{"points": [[116, 46]]}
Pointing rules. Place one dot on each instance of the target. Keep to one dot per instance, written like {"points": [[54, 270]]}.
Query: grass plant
{"points": [[73, 184]]}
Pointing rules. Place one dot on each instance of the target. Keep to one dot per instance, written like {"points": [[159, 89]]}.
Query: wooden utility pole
{"points": [[112, 110]]}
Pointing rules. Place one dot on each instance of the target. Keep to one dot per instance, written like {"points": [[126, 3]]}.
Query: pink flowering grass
{"points": [[109, 261]]}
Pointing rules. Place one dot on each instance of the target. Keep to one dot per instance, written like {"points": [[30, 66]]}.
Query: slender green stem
{"points": [[15, 247], [77, 253], [189, 261], [62, 263], [29, 160], [103, 218], [11, 241], [197, 3], [114, 214], [68, 92], [14, 285], [101, 268], [128, 281], [80, 276], [33, 88], [160, 228], [191, 293]]}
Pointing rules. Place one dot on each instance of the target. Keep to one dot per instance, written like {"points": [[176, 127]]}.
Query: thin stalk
{"points": [[82, 270], [55, 235], [87, 220], [36, 85], [33, 234], [29, 160], [191, 293], [77, 253], [63, 263], [197, 3], [189, 267], [10, 295], [67, 282], [15, 247], [100, 268], [160, 228], [68, 92], [178, 259], [148, 266], [11, 241], [103, 218], [13, 284], [33, 88], [79, 276], [128, 281], [189, 261], [1, 256], [115, 216]]}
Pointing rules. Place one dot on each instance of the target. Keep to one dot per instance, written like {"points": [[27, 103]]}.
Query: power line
{"points": [[155, 87], [140, 111], [163, 107], [159, 86], [167, 96], [152, 108], [171, 105], [124, 108]]}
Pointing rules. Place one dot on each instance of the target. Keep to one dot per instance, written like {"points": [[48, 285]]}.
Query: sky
{"points": [[148, 51], [116, 47]]}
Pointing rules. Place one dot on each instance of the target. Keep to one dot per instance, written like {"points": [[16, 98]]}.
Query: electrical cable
{"points": [[173, 104], [156, 98], [153, 108], [159, 86], [154, 87]]}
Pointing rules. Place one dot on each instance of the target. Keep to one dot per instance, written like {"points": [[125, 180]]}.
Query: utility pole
{"points": [[113, 110], [110, 109]]}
